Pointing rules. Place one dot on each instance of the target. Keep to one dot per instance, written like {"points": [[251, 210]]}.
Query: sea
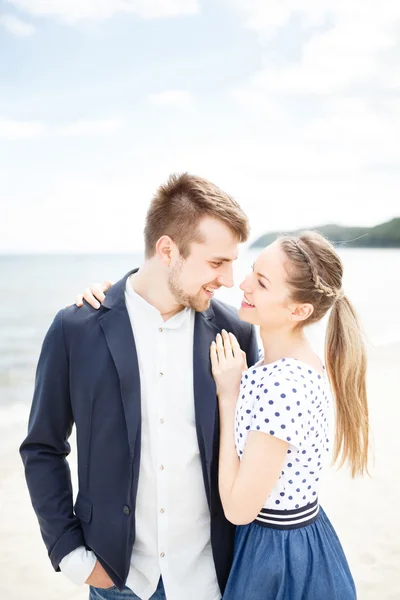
{"points": [[33, 288]]}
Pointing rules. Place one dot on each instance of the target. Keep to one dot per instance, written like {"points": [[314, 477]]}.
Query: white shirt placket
{"points": [[161, 428]]}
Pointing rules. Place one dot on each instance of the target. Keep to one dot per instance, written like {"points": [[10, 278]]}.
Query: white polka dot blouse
{"points": [[289, 400]]}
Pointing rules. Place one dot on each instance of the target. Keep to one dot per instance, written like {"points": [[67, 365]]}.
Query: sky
{"points": [[291, 106]]}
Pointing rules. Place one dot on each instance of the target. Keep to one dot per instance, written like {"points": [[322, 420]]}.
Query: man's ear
{"points": [[164, 249]]}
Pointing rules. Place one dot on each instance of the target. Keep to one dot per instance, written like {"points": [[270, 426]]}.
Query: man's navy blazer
{"points": [[88, 374]]}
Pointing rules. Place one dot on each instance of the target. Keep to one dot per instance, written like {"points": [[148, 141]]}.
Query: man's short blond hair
{"points": [[179, 205]]}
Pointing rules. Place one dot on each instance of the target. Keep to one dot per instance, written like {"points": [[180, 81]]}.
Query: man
{"points": [[135, 378]]}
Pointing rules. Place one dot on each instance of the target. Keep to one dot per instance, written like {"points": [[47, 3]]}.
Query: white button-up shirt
{"points": [[172, 515]]}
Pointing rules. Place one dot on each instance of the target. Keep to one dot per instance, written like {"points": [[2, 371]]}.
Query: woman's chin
{"points": [[248, 315]]}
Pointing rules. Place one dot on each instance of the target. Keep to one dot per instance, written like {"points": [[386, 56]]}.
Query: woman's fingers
{"points": [[96, 292], [225, 349], [98, 289], [106, 285], [227, 344], [79, 300], [214, 356], [235, 346], [220, 349], [94, 295], [90, 299]]}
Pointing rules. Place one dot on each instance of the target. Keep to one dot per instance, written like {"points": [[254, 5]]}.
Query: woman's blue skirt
{"points": [[307, 563]]}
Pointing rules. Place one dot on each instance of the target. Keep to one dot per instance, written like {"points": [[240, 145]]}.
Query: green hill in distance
{"points": [[386, 235]]}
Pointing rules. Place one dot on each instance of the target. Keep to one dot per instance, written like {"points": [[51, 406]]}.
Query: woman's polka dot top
{"points": [[289, 400]]}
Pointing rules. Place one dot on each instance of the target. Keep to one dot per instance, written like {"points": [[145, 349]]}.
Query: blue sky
{"points": [[292, 107]]}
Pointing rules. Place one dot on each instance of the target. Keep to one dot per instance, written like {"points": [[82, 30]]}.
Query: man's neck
{"points": [[150, 287]]}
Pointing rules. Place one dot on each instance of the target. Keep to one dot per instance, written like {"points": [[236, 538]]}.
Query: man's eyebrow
{"points": [[223, 259]]}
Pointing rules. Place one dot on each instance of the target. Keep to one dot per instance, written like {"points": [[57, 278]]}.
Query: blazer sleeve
{"points": [[46, 447]]}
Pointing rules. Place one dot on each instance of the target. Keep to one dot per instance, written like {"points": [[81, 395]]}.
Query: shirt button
{"points": [[162, 554], [127, 510], [162, 510], [162, 468], [161, 374], [161, 421], [161, 330]]}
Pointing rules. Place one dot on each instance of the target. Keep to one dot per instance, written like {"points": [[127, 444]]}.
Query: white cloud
{"points": [[81, 228], [322, 130], [71, 11], [279, 186], [89, 127], [20, 130], [339, 96], [250, 97], [352, 118], [177, 98], [16, 26], [331, 61], [17, 130], [294, 184], [367, 137], [349, 46], [269, 16]]}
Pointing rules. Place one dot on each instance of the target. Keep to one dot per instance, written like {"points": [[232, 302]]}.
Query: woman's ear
{"points": [[301, 312]]}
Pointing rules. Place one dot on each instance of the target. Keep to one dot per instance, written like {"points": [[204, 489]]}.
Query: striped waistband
{"points": [[288, 519]]}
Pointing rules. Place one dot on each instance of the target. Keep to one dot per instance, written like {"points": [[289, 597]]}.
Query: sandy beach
{"points": [[362, 511]]}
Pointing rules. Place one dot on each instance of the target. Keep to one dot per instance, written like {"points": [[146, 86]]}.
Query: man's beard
{"points": [[197, 302]]}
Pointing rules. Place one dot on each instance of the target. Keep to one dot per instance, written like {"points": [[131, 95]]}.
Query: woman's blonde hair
{"points": [[315, 276]]}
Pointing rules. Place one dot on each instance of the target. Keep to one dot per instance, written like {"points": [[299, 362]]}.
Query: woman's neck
{"points": [[279, 344]]}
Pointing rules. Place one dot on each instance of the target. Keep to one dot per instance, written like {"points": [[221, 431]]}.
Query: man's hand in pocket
{"points": [[99, 578]]}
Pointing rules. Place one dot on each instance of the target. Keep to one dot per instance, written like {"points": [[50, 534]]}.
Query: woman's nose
{"points": [[245, 286]]}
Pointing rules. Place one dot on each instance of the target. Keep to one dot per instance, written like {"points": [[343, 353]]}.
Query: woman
{"points": [[274, 422], [285, 546]]}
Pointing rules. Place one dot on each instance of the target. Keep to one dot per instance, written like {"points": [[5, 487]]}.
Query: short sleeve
{"points": [[279, 408]]}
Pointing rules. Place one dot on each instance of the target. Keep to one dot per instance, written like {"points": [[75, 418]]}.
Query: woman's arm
{"points": [[244, 485]]}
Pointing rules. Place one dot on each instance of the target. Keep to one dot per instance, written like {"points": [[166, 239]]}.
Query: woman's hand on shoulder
{"points": [[228, 361], [94, 295]]}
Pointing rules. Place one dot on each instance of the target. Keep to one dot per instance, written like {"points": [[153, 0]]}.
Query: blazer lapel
{"points": [[117, 329], [204, 387], [120, 340]]}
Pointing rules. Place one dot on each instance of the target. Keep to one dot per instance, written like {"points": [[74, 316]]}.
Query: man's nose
{"points": [[226, 279]]}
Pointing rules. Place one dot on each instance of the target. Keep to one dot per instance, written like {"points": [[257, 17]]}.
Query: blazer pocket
{"points": [[83, 508]]}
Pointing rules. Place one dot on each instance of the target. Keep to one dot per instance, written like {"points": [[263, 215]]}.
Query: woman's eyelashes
{"points": [[259, 281]]}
